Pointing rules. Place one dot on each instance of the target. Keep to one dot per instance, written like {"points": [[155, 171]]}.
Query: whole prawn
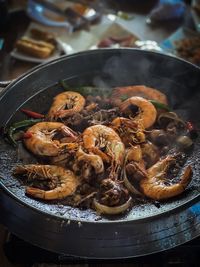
{"points": [[42, 143], [156, 186], [64, 180], [66, 104], [105, 142], [126, 92], [146, 113]]}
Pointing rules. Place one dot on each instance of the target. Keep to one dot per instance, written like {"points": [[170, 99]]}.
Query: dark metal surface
{"points": [[145, 229], [185, 255], [3, 85]]}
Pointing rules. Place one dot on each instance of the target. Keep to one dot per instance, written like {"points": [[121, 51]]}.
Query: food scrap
{"points": [[128, 41], [39, 44], [189, 49], [35, 48]]}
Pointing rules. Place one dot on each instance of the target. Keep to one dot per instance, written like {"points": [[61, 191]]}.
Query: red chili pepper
{"points": [[27, 135], [32, 114]]}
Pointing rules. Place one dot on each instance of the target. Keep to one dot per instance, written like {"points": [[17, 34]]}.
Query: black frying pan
{"points": [[145, 229]]}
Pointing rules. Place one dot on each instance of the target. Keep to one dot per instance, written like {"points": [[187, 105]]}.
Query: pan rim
{"points": [[182, 206], [65, 57]]}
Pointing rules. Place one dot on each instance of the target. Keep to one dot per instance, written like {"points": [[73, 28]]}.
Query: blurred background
{"points": [[168, 26]]}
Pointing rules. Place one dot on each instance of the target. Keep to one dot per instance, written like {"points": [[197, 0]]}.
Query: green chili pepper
{"points": [[86, 90], [160, 105], [124, 97], [19, 125], [64, 85], [94, 91]]}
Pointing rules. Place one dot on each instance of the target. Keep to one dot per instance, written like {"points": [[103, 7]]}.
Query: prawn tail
{"points": [[35, 192], [101, 154], [63, 113], [19, 169], [186, 176]]}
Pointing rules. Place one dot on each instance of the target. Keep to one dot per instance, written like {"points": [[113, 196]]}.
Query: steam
{"points": [[177, 79]]}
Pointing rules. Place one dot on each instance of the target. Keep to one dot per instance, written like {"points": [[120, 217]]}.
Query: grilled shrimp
{"points": [[156, 186], [144, 110], [66, 104], [121, 93], [85, 163], [129, 131], [105, 142], [41, 141], [64, 181], [134, 153]]}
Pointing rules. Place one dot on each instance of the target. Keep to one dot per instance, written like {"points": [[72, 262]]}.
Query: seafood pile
{"points": [[101, 152]]}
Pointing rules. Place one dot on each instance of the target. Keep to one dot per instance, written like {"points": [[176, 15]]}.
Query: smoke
{"points": [[179, 80]]}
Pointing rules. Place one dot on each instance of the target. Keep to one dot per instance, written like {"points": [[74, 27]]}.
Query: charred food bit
{"points": [[113, 198]]}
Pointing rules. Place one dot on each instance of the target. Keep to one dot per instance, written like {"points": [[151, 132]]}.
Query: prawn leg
{"points": [[129, 131]]}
